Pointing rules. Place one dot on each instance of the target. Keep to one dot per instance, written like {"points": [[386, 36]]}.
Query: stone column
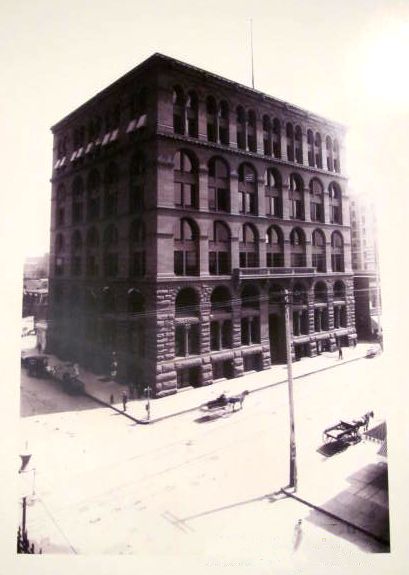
{"points": [[264, 329], [261, 204], [204, 255], [304, 144], [202, 119], [308, 254], [203, 194], [307, 208], [262, 250], [234, 193], [287, 253], [236, 320], [259, 135], [283, 137], [286, 200]]}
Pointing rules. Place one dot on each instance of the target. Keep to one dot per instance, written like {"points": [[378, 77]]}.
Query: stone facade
{"points": [[183, 205]]}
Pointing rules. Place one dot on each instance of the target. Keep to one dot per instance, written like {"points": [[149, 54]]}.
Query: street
{"points": [[194, 486]]}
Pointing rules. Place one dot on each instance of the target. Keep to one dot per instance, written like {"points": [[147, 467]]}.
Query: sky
{"points": [[343, 59]]}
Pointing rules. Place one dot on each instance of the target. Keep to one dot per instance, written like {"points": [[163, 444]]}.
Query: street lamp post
{"points": [[293, 461]]}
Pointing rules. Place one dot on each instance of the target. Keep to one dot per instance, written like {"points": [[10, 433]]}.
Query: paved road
{"points": [[40, 396], [201, 487]]}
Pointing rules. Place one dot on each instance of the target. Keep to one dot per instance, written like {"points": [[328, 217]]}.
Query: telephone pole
{"points": [[293, 453]]}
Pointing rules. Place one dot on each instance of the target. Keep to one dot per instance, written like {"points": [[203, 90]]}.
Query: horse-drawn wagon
{"points": [[347, 431], [224, 402]]}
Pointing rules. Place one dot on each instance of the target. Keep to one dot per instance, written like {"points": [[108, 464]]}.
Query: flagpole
{"points": [[252, 60]]}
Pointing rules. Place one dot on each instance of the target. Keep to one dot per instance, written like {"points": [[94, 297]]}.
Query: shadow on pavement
{"points": [[364, 505], [332, 448]]}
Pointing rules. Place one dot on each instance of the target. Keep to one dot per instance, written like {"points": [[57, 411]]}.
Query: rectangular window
{"points": [[189, 195], [227, 334], [251, 198], [194, 339], [180, 340], [137, 264], [245, 332], [222, 200], [191, 263], [76, 266], [214, 335], [178, 124], [60, 216], [211, 132], [223, 135], [223, 258], [213, 263], [243, 259], [178, 263], [77, 213], [298, 210], [252, 260], [178, 194], [269, 206], [212, 198]]}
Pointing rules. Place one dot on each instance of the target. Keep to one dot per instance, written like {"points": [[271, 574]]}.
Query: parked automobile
{"points": [[37, 365]]}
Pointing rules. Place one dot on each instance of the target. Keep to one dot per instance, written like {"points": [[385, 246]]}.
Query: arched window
{"points": [[224, 123], [187, 328], [335, 203], [185, 181], [273, 193], [211, 117], [60, 205], [276, 138], [290, 142], [330, 159], [337, 252], [136, 302], [191, 114], [337, 163], [310, 148], [137, 184], [92, 246], [250, 315], [137, 249], [179, 112], [274, 247], [316, 201], [77, 200], [218, 186], [296, 197], [76, 253], [318, 251], [219, 249], [186, 248], [111, 190], [221, 327], [248, 189], [241, 128], [297, 241], [318, 150], [93, 196], [248, 246], [267, 136], [251, 131], [110, 246], [298, 145]]}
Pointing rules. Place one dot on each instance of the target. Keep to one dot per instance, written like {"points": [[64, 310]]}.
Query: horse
{"points": [[364, 420], [234, 399]]}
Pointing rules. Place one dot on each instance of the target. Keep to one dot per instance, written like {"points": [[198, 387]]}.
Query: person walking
{"points": [[340, 355], [297, 535], [124, 399]]}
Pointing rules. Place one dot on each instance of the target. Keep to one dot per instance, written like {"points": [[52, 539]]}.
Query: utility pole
{"points": [[293, 461], [252, 59]]}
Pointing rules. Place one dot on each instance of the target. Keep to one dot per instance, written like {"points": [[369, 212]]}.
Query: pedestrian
{"points": [[340, 355], [114, 366], [111, 399], [355, 342], [124, 399], [297, 535]]}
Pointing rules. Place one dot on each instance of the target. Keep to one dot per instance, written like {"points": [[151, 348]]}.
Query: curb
{"points": [[337, 517], [190, 409]]}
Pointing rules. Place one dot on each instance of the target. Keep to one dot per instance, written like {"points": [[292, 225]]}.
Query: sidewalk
{"points": [[188, 399]]}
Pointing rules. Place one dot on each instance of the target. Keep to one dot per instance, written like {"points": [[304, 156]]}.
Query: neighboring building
{"points": [[183, 204], [35, 298], [365, 266]]}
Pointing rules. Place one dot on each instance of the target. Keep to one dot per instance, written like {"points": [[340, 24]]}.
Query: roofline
{"points": [[158, 57]]}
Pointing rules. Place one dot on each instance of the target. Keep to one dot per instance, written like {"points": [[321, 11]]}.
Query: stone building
{"points": [[364, 248], [183, 205]]}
